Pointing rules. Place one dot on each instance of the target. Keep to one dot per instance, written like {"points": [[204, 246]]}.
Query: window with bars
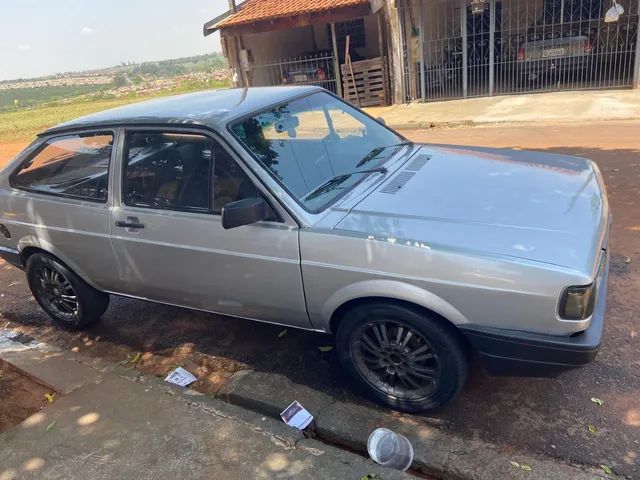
{"points": [[356, 31]]}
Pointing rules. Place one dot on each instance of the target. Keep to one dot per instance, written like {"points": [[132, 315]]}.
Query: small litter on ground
{"points": [[390, 449], [180, 377], [296, 416]]}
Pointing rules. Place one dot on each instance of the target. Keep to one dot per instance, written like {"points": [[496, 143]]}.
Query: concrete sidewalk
{"points": [[554, 107], [107, 422]]}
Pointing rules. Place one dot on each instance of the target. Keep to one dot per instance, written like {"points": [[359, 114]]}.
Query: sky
{"points": [[42, 37]]}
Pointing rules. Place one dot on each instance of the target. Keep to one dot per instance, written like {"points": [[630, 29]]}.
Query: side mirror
{"points": [[381, 120], [244, 212]]}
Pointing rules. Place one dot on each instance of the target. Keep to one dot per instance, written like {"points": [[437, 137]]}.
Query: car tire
{"points": [[70, 301], [423, 372]]}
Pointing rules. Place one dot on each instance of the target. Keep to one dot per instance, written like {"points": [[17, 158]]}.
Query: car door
{"points": [[60, 202], [168, 237]]}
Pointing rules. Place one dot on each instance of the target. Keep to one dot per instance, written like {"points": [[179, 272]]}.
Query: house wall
{"points": [[372, 46], [280, 45], [272, 46]]}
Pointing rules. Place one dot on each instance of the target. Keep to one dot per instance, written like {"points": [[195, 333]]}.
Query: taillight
{"points": [[521, 54], [588, 46]]}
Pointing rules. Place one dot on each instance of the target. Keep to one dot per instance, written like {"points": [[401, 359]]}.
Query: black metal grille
{"points": [[475, 48], [305, 70]]}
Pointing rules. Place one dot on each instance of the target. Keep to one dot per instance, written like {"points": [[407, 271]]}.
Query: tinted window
{"points": [[318, 147], [167, 170], [230, 181], [173, 171], [72, 165]]}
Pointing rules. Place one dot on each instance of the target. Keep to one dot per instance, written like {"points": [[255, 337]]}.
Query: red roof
{"points": [[260, 10]]}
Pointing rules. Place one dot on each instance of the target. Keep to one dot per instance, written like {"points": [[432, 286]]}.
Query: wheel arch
{"points": [[28, 246], [392, 292]]}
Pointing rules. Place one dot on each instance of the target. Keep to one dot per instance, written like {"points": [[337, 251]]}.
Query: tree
{"points": [[119, 81]]}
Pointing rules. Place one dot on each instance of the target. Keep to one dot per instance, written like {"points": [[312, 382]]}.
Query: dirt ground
{"points": [[531, 415], [9, 150], [20, 397]]}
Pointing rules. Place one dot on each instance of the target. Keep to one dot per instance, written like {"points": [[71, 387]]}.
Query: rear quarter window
{"points": [[75, 165]]}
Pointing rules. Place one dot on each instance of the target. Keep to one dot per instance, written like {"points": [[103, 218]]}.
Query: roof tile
{"points": [[259, 10]]}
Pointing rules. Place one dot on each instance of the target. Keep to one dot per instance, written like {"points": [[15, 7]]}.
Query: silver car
{"points": [[287, 205]]}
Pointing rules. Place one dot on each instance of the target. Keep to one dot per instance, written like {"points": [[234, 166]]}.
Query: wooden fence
{"points": [[366, 83]]}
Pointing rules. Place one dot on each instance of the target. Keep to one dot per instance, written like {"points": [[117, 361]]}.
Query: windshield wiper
{"points": [[377, 151], [338, 180]]}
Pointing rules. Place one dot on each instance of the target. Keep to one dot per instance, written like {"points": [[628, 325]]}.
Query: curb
{"points": [[435, 125], [325, 458], [437, 453], [257, 398]]}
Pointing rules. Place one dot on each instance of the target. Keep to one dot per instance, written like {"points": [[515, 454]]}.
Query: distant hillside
{"points": [[175, 66], [107, 82]]}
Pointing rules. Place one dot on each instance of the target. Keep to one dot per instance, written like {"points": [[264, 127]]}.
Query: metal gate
{"points": [[316, 70], [466, 48]]}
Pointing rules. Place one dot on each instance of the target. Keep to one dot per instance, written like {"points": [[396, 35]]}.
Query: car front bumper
{"points": [[515, 353], [11, 256]]}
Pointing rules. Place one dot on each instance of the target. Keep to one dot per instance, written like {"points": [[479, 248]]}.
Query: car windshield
{"points": [[318, 147]]}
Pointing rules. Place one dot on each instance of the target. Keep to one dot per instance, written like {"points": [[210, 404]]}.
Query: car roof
{"points": [[210, 108]]}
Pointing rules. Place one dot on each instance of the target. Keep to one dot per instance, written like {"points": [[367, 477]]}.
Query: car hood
{"points": [[541, 207]]}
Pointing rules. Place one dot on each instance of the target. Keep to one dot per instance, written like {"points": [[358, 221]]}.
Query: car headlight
{"points": [[577, 303]]}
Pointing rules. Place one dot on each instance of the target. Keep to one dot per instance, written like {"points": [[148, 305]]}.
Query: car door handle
{"points": [[130, 223]]}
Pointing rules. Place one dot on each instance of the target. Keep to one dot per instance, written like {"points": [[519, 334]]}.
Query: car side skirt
{"points": [[12, 257]]}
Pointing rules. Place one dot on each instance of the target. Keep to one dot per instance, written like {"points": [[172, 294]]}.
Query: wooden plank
{"points": [[368, 72], [369, 83], [347, 57], [364, 83], [371, 64]]}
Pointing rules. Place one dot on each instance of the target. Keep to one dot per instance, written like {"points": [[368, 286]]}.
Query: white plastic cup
{"points": [[390, 449]]}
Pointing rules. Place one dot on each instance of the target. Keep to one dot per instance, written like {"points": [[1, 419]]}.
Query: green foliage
{"points": [[24, 112], [179, 66], [22, 125], [119, 81], [25, 97]]}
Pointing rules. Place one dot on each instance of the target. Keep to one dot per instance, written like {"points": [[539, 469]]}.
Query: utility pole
{"points": [[232, 6]]}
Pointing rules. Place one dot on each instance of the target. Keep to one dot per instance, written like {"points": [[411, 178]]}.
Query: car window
{"points": [[175, 171], [344, 124], [168, 171], [71, 165], [230, 183], [315, 146]]}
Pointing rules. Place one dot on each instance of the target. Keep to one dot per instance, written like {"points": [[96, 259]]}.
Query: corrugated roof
{"points": [[259, 10]]}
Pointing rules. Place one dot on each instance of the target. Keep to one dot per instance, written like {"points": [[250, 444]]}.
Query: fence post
{"points": [[423, 80], [336, 60], [492, 46], [401, 52], [636, 66], [463, 34]]}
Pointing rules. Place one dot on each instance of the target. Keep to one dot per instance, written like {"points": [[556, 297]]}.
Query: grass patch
{"points": [[17, 98], [23, 125]]}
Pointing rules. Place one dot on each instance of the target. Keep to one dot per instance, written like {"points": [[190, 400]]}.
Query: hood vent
{"points": [[398, 182], [405, 175], [417, 163]]}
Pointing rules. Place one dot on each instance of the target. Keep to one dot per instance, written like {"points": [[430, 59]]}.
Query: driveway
{"points": [[527, 415]]}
